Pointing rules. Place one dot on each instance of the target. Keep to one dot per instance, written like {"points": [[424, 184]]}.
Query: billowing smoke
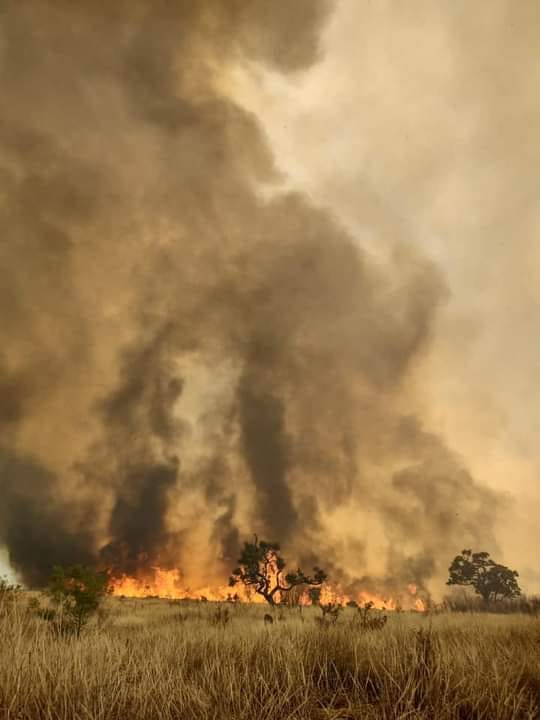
{"points": [[187, 359]]}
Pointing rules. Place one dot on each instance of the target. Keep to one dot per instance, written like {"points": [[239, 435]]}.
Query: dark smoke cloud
{"points": [[144, 265], [137, 517], [38, 529], [261, 417]]}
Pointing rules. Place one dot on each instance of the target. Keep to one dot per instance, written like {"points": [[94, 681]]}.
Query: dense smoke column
{"points": [[137, 519], [264, 443], [141, 256], [137, 454], [45, 193], [38, 530]]}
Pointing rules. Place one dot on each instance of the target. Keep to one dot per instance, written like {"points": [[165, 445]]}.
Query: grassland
{"points": [[149, 659]]}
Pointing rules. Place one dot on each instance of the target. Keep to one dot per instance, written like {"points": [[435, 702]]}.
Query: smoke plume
{"points": [[187, 359]]}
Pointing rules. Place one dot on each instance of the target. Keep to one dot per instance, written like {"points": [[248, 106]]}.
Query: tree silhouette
{"points": [[261, 567], [489, 579]]}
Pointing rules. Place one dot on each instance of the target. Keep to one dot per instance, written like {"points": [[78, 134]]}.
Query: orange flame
{"points": [[169, 584]]}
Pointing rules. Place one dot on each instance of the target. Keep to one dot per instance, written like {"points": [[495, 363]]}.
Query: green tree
{"points": [[261, 567], [489, 579], [78, 591]]}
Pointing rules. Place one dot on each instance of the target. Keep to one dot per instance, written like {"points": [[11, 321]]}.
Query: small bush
{"points": [[78, 592], [368, 620]]}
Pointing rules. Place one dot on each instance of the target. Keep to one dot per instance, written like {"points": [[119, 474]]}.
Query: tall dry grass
{"points": [[154, 659]]}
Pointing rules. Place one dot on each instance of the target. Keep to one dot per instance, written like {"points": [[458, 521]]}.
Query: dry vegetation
{"points": [[159, 659]]}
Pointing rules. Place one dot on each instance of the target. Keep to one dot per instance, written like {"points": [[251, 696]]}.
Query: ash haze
{"points": [[271, 269], [421, 126]]}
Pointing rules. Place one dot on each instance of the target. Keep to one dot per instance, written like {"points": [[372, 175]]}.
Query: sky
{"points": [[272, 269]]}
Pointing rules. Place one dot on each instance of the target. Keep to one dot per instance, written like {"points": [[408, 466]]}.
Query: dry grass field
{"points": [[150, 659]]}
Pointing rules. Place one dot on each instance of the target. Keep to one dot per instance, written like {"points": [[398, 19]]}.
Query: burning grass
{"points": [[158, 582], [150, 659]]}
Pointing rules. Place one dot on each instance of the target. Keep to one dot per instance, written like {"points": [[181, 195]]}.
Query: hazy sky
{"points": [[422, 119], [272, 269]]}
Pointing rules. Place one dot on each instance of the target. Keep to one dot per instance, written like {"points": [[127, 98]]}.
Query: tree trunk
{"points": [[486, 596]]}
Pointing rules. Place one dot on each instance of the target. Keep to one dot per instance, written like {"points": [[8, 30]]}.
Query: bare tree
{"points": [[261, 567]]}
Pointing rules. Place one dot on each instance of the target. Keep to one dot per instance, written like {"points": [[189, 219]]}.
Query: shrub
{"points": [[78, 591]]}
